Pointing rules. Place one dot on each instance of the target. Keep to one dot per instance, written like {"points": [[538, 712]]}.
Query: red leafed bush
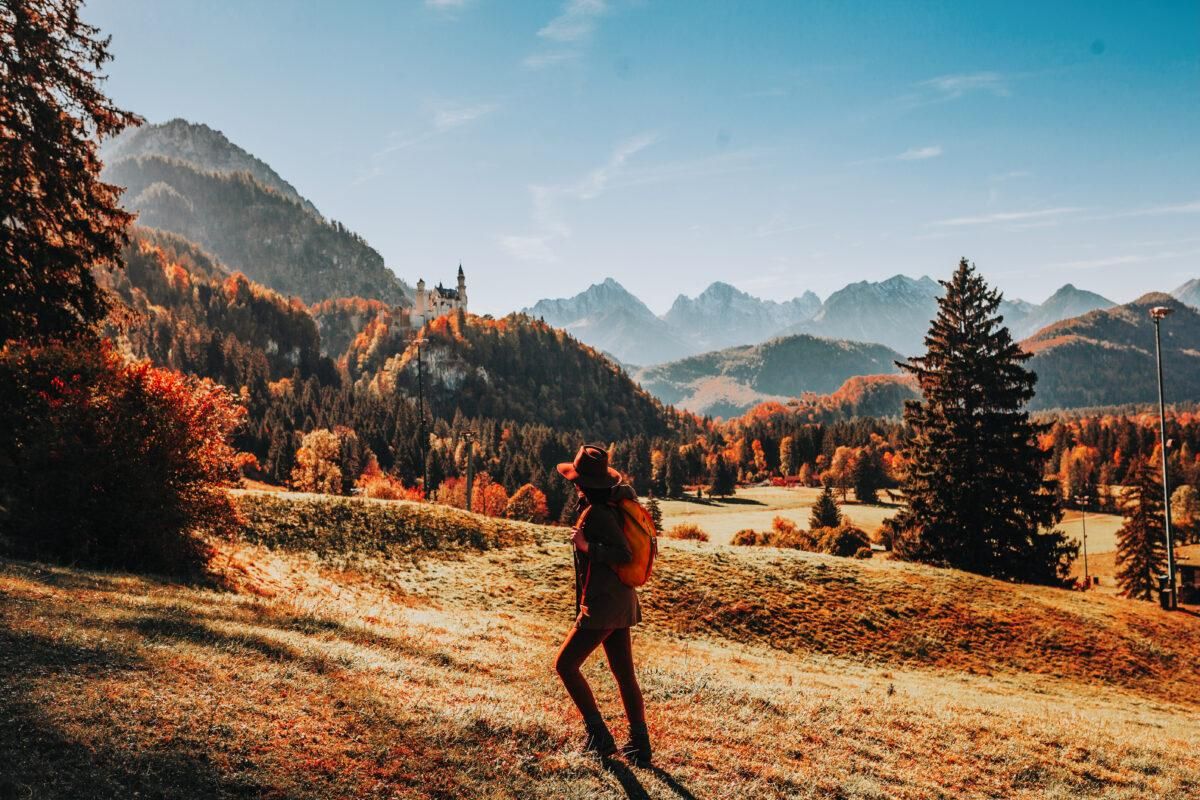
{"points": [[110, 463]]}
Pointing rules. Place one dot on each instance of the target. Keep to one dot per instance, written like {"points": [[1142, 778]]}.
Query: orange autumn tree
{"points": [[528, 504], [110, 463], [379, 485]]}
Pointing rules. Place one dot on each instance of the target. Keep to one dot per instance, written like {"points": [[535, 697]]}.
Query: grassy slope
{"points": [[401, 670]]}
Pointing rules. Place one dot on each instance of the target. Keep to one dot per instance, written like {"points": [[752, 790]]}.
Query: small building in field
{"points": [[1187, 567]]}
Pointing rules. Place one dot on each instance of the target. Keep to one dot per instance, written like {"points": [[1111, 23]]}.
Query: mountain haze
{"points": [[263, 229], [1067, 302], [609, 318], [201, 146], [895, 312], [1106, 357], [1189, 293], [727, 382], [724, 316]]}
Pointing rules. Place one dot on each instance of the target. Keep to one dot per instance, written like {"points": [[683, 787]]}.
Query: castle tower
{"points": [[421, 309], [462, 288]]}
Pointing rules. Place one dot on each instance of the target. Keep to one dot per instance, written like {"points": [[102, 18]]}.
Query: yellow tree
{"points": [[317, 460]]}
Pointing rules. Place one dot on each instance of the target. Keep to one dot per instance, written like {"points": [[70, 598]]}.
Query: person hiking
{"points": [[605, 608]]}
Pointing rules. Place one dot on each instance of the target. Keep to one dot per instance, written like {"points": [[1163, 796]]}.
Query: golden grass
{"points": [[767, 674]]}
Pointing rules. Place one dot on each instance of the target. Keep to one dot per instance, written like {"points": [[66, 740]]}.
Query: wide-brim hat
{"points": [[590, 469]]}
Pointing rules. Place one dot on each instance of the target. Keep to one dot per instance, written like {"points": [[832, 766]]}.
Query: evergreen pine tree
{"points": [[655, 511], [867, 475], [975, 492], [674, 472], [825, 513], [723, 478], [58, 220], [1141, 550]]}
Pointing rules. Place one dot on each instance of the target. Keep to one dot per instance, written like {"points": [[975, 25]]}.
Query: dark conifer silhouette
{"points": [[975, 492], [58, 220], [1141, 549], [825, 513]]}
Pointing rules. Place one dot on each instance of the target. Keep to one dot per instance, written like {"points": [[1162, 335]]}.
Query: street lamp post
{"points": [[1082, 502], [1158, 313], [424, 443], [470, 437]]}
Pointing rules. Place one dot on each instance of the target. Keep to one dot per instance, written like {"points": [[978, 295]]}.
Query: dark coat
{"points": [[601, 599]]}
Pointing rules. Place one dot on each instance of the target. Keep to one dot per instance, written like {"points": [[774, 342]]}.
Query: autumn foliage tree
{"points": [[975, 492], [111, 463], [528, 504], [58, 220], [317, 463]]}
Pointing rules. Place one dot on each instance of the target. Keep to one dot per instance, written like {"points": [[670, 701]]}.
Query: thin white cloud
{"points": [[912, 154], [569, 32], [1009, 216], [549, 59], [920, 153], [1157, 211], [445, 4], [1129, 258], [547, 201], [443, 118], [576, 21], [452, 116], [952, 87], [551, 202], [1010, 175]]}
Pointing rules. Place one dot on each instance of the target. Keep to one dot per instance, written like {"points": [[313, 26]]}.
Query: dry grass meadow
{"points": [[408, 654]]}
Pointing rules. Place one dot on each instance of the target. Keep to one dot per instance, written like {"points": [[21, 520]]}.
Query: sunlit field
{"points": [[408, 668], [756, 506]]}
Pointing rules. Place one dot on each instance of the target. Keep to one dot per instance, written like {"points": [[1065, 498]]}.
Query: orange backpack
{"points": [[639, 532]]}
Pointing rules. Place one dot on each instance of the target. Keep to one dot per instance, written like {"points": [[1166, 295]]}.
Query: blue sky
{"points": [[776, 146]]}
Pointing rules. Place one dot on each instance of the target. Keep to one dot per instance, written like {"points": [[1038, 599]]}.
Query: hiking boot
{"points": [[637, 749], [599, 741]]}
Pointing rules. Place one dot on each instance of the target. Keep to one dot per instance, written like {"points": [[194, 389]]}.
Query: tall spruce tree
{"points": [[975, 492], [825, 513], [1141, 550], [58, 220]]}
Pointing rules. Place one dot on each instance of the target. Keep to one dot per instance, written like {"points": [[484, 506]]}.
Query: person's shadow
{"points": [[634, 788]]}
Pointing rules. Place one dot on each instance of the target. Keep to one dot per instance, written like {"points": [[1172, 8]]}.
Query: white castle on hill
{"points": [[439, 301]]}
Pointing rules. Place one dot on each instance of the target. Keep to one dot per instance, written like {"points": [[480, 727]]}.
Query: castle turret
{"points": [[462, 288]]}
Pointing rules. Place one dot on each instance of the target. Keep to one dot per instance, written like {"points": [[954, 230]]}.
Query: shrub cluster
{"points": [[110, 463], [338, 525], [686, 530], [842, 540]]}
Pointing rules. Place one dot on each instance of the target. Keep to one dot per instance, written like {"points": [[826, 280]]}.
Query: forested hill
{"points": [[263, 229], [201, 146], [184, 310], [516, 368], [728, 382], [1106, 357]]}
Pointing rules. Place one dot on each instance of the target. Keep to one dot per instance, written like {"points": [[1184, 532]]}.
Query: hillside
{"points": [[184, 310], [361, 666], [609, 318], [722, 316], [201, 146], [1065, 303], [266, 232], [515, 368], [1107, 357], [1189, 293], [895, 312], [727, 382]]}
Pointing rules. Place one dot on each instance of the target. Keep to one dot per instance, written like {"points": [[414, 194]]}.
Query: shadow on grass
{"points": [[634, 788], [41, 760]]}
